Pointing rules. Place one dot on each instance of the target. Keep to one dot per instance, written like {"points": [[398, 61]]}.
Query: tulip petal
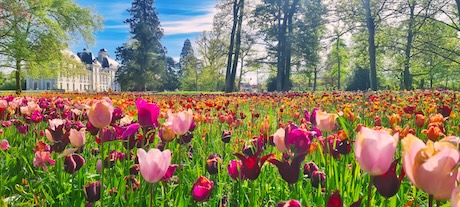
{"points": [[439, 166], [411, 146]]}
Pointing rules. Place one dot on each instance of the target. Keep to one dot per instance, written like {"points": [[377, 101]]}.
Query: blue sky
{"points": [[180, 19]]}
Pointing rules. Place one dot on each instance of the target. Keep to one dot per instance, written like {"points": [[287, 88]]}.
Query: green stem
{"points": [[152, 195], [430, 200], [369, 191], [253, 193], [102, 166]]}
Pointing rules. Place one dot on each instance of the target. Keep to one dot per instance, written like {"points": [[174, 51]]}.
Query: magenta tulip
{"points": [[375, 150], [202, 189], [147, 113], [154, 164]]}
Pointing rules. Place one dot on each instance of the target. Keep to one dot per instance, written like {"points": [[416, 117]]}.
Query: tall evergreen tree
{"points": [[186, 50], [143, 58]]}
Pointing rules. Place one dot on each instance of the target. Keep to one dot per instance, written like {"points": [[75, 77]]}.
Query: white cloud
{"points": [[188, 24], [119, 26]]}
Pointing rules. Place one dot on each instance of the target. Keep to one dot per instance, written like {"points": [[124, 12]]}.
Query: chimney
{"points": [[102, 54]]}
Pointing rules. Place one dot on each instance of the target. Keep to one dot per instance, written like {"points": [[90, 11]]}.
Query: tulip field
{"points": [[323, 149]]}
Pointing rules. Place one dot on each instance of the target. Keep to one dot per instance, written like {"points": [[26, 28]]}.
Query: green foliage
{"points": [[171, 80], [36, 33], [360, 80]]}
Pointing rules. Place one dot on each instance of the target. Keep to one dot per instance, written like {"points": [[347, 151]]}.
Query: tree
{"points": [[337, 63], [144, 57], [186, 50], [235, 45], [189, 68], [212, 50], [171, 80], [38, 32]]}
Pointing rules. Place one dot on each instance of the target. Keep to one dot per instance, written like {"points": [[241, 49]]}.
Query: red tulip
{"points": [[251, 165], [388, 183], [289, 171], [202, 189]]}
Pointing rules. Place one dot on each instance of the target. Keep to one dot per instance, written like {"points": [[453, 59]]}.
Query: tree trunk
{"points": [[372, 48], [241, 73], [315, 77], [410, 36], [281, 47], [338, 61], [18, 77], [237, 46], [228, 88]]}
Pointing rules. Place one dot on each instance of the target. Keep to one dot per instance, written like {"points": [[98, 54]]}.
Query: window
{"points": [[60, 86], [35, 86], [74, 87], [48, 85], [81, 89], [68, 87]]}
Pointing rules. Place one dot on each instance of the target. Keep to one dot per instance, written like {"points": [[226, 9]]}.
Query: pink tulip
{"points": [[4, 145], [455, 197], [42, 158], [147, 113], [180, 122], [278, 139], [154, 164], [431, 166], [375, 150], [77, 138], [100, 114], [325, 121]]}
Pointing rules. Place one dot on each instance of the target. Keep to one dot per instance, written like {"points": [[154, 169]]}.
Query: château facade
{"points": [[99, 76]]}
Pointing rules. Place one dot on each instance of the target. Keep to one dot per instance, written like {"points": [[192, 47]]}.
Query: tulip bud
{"points": [[134, 170], [4, 145], [234, 169], [226, 135], [318, 178], [202, 189], [185, 138], [99, 166], [420, 120], [309, 168], [212, 164], [92, 191], [73, 163]]}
